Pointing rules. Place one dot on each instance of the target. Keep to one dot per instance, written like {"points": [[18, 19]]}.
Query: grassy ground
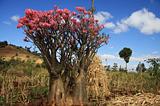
{"points": [[132, 83], [24, 82]]}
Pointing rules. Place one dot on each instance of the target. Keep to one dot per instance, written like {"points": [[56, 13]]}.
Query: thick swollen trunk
{"points": [[79, 91], [58, 96]]}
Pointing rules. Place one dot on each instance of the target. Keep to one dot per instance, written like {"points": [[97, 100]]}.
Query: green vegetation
{"points": [[3, 44]]}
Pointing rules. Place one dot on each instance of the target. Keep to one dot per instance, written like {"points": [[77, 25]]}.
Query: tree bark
{"points": [[59, 96], [80, 94], [56, 92], [126, 66]]}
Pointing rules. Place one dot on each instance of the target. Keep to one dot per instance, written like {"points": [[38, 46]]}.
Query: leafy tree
{"points": [[115, 66], [3, 44], [107, 67], [122, 69], [154, 66], [68, 41], [125, 53], [155, 69], [141, 67]]}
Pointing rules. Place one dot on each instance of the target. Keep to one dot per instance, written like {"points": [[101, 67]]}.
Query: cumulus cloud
{"points": [[120, 27], [15, 18], [103, 18], [143, 20], [109, 25], [109, 57]]}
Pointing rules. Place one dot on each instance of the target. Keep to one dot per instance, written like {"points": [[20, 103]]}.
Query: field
{"points": [[25, 82]]}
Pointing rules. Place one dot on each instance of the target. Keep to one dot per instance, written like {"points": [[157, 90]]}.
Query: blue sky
{"points": [[130, 23]]}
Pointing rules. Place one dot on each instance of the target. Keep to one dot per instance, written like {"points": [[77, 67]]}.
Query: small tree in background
{"points": [[115, 67], [154, 69], [141, 67], [154, 66], [125, 53], [3, 44], [68, 41]]}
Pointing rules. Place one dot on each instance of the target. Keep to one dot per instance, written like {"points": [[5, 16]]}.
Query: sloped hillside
{"points": [[11, 51]]}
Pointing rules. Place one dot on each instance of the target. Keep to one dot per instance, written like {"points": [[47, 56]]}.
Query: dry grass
{"points": [[27, 83], [121, 83], [15, 52]]}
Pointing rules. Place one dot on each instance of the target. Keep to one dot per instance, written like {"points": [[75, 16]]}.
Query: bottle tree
{"points": [[68, 41]]}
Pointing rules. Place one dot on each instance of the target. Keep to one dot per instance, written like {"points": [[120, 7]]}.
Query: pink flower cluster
{"points": [[57, 19]]}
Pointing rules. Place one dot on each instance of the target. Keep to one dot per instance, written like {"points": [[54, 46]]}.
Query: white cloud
{"points": [[143, 20], [102, 16], [15, 18], [109, 25], [6, 22], [120, 27], [109, 57]]}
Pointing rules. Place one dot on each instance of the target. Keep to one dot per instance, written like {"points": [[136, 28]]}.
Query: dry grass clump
{"points": [[97, 89], [145, 99]]}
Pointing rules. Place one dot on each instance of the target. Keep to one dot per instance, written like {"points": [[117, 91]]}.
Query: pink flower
{"points": [[73, 13], [89, 13], [28, 11], [85, 12], [96, 20], [84, 20], [66, 11], [80, 9], [65, 16], [101, 27], [91, 27], [52, 22], [84, 31], [91, 20], [46, 25], [74, 21], [61, 20], [59, 11], [19, 25]]}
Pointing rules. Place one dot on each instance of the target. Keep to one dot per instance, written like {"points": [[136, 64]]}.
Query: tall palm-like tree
{"points": [[125, 53]]}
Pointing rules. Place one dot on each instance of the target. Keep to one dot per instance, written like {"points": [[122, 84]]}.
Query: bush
{"points": [[3, 44]]}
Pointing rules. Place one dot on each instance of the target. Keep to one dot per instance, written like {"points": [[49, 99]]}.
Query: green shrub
{"points": [[3, 44]]}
